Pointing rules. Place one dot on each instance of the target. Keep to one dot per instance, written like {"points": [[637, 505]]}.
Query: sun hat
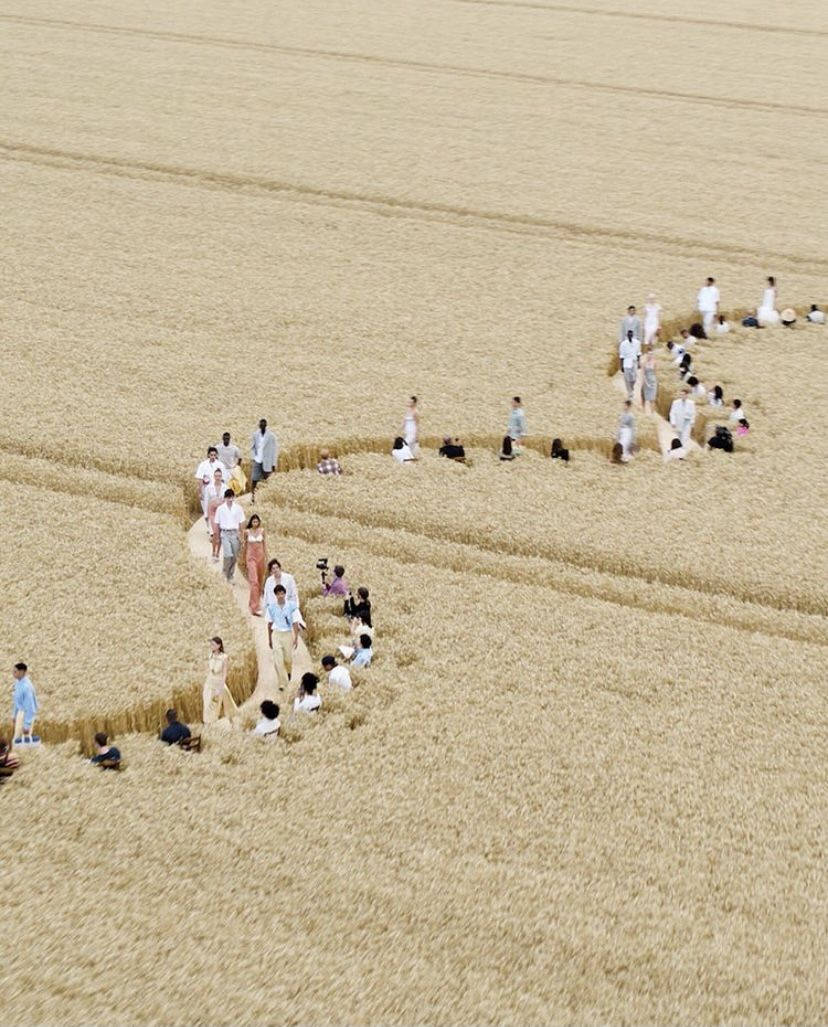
{"points": [[788, 314]]}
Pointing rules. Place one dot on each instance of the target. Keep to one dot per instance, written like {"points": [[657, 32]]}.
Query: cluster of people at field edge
{"points": [[637, 364]]}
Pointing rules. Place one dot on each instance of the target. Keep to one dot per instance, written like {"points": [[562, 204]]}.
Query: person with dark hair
{"points": [[254, 555], [228, 453], [738, 412], [452, 449], [175, 732], [722, 327], [284, 623], [686, 365], [629, 357], [337, 674], [708, 304], [264, 453], [268, 725], [337, 586], [277, 576], [767, 314], [716, 397], [229, 518], [696, 387], [697, 332], [107, 757], [364, 652], [617, 454], [506, 449], [217, 700], [558, 451], [631, 322], [401, 452], [676, 451], [516, 429], [815, 315], [24, 706], [307, 701], [8, 761], [721, 440], [213, 497], [677, 351], [204, 475], [358, 611]]}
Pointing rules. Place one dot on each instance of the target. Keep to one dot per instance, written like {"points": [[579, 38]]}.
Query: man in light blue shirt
{"points": [[362, 657], [24, 704], [516, 429], [284, 621]]}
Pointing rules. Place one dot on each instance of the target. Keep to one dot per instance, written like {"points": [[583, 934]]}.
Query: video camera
{"points": [[322, 567]]}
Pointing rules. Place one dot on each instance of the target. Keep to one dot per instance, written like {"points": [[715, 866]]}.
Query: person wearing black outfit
{"points": [[360, 610], [175, 732], [108, 756], [452, 449]]}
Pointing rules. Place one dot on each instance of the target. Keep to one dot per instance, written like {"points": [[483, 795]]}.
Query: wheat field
{"points": [[584, 779]]}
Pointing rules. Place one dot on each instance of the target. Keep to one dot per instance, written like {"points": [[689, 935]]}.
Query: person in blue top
{"points": [[362, 657], [24, 705], [284, 620]]}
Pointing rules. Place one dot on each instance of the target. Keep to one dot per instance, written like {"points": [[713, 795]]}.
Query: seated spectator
{"points": [[359, 609], [685, 366], [788, 317], [696, 387], [676, 351], [721, 327], [401, 452], [108, 756], [558, 451], [697, 331], [8, 761], [337, 586], [268, 725], [617, 456], [452, 449], [307, 701], [722, 439], [738, 411], [364, 652], [815, 315], [327, 463], [676, 451], [337, 674], [175, 732], [716, 397], [506, 449]]}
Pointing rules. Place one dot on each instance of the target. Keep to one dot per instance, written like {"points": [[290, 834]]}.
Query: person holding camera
{"points": [[337, 586]]}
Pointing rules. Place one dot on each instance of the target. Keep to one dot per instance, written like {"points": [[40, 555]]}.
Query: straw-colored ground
{"points": [[585, 779]]}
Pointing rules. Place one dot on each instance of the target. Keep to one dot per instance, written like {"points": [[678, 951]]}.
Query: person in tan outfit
{"points": [[218, 702]]}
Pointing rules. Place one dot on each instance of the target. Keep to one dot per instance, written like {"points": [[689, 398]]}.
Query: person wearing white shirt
{"points": [[276, 576], [722, 327], [307, 701], [652, 319], [683, 416], [675, 452], [229, 518], [815, 315], [708, 303], [676, 351], [204, 474], [401, 451], [716, 397], [629, 353], [267, 727], [738, 411], [337, 674]]}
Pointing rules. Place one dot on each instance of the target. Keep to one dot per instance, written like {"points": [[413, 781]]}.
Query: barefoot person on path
{"points": [[411, 426], [218, 702], [254, 558], [229, 518], [683, 416], [652, 320]]}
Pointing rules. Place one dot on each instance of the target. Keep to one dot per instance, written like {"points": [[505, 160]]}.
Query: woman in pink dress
{"points": [[255, 560]]}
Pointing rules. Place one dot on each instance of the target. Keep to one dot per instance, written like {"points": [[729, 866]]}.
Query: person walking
{"points": [[629, 356], [516, 428], [708, 304], [217, 700], [652, 320], [284, 621], [214, 496], [204, 475], [276, 576], [631, 322], [626, 430], [264, 453], [229, 518], [411, 425], [228, 452], [24, 705], [683, 416], [254, 557], [649, 388], [767, 314]]}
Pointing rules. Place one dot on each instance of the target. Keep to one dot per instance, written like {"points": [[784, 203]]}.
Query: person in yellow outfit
{"points": [[218, 702]]}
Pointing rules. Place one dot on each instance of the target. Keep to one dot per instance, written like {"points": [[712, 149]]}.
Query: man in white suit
{"points": [[683, 416]]}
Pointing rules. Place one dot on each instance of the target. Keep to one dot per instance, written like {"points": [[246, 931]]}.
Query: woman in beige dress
{"points": [[218, 702]]}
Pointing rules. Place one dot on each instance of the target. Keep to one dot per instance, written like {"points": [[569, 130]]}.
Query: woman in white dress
{"points": [[652, 319], [626, 431], [767, 314], [411, 425]]}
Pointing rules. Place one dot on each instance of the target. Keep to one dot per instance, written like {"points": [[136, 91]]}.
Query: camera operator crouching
{"points": [[337, 586]]}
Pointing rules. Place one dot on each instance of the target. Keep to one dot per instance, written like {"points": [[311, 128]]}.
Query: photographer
{"points": [[337, 586], [359, 609]]}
